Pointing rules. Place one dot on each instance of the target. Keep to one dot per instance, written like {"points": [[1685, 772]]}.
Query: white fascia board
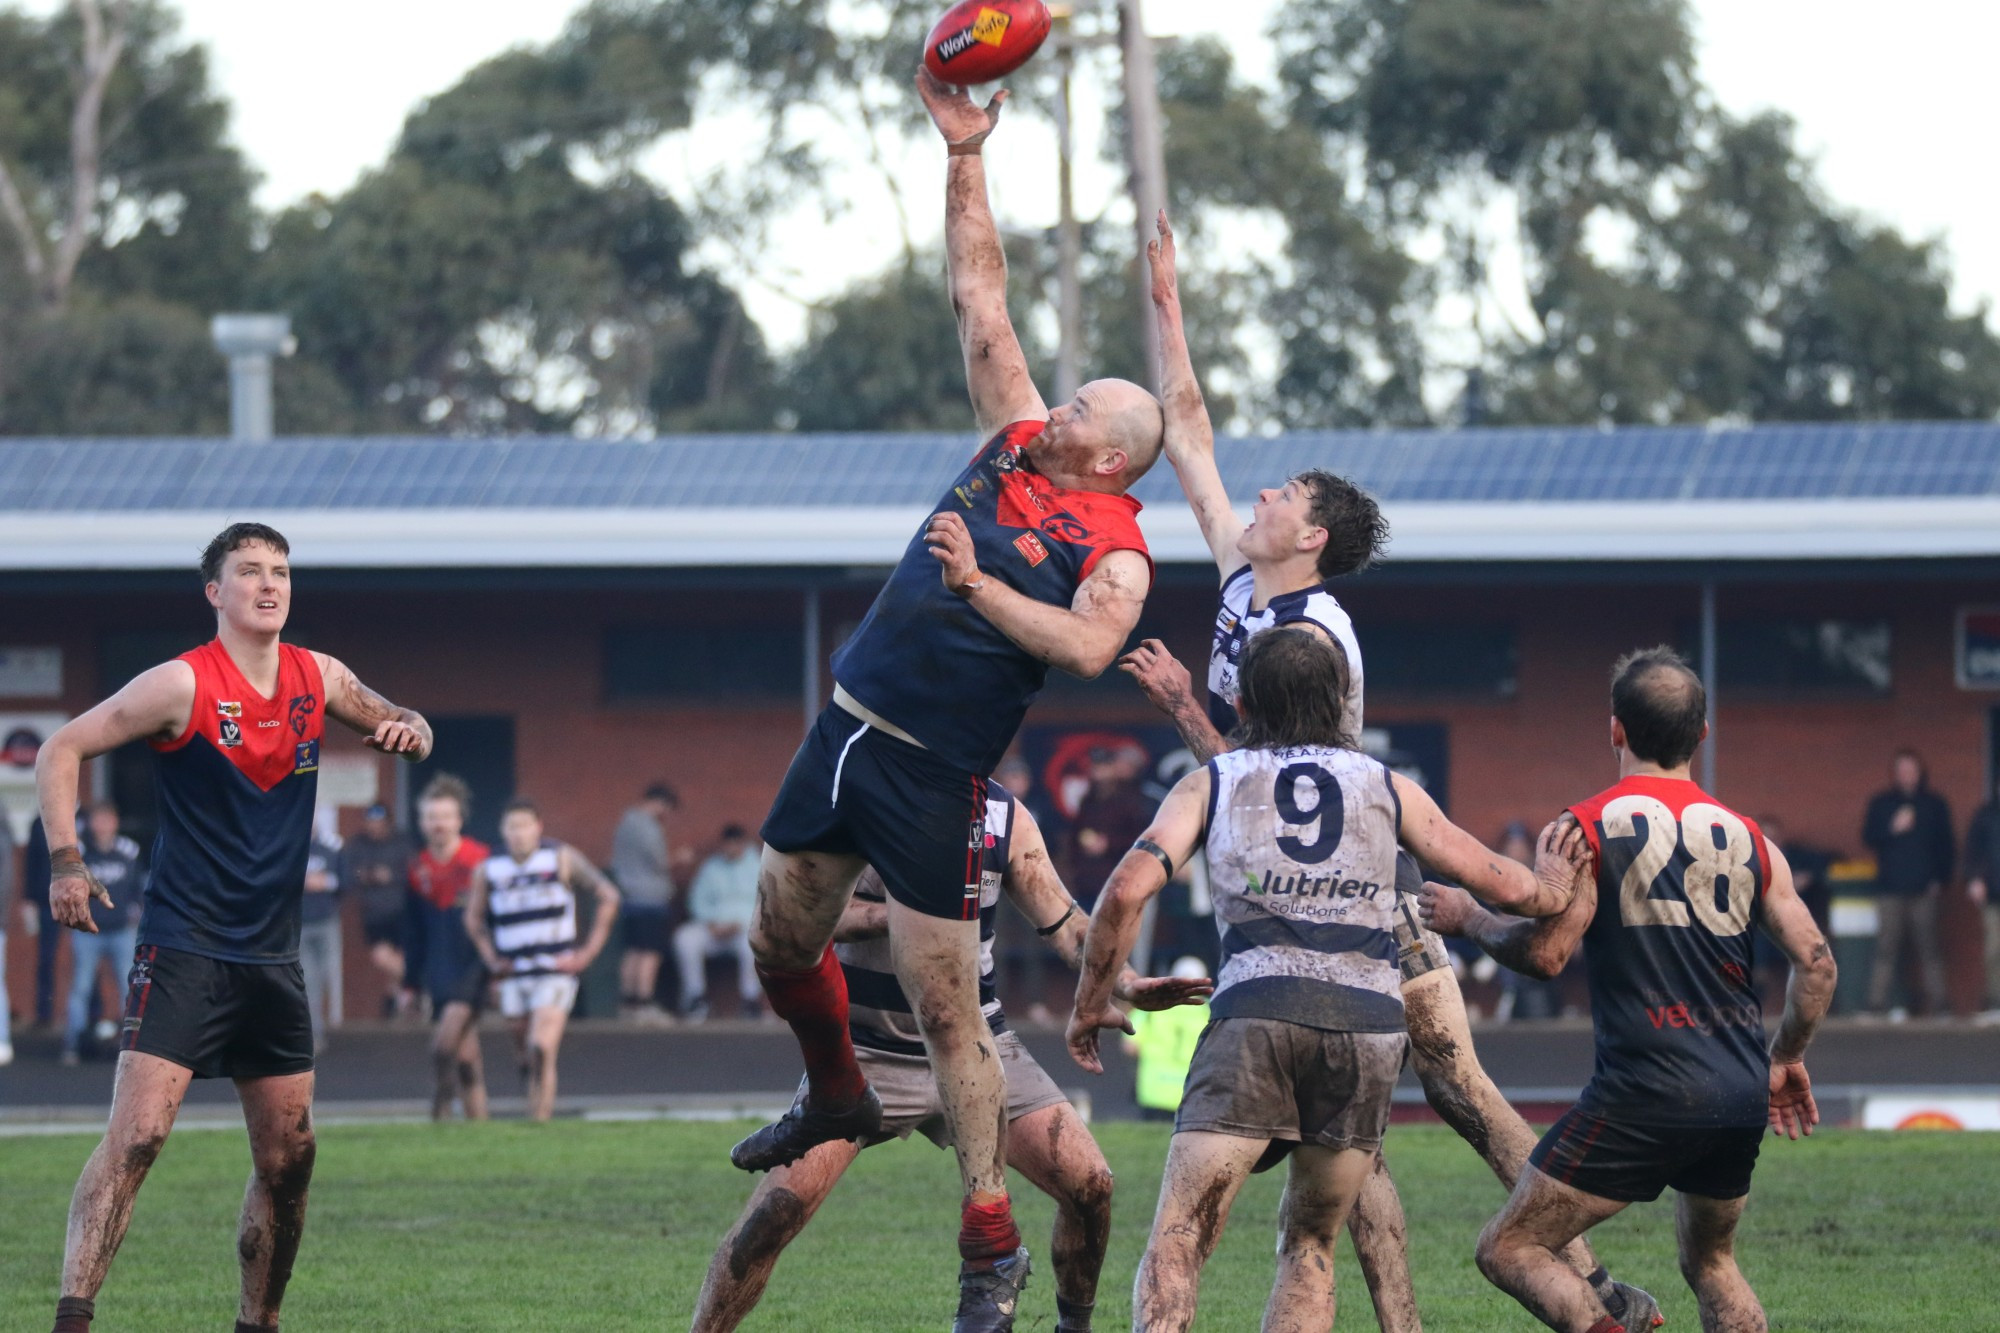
{"points": [[493, 538]]}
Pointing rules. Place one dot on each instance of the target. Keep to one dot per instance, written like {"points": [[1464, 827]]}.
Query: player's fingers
{"points": [[993, 107]]}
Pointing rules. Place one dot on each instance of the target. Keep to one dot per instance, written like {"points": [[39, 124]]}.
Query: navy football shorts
{"points": [[854, 791], [1616, 1159], [217, 1019]]}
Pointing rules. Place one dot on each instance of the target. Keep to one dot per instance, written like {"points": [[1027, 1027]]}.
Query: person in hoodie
{"points": [[1909, 828]]}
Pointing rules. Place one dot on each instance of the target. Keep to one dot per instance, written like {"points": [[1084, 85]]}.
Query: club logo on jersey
{"points": [[989, 28], [302, 708], [1275, 883], [1029, 545], [228, 709], [308, 757], [1064, 528], [230, 733], [1006, 461]]}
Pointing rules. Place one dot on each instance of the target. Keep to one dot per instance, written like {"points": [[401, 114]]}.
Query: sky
{"points": [[1894, 105]]}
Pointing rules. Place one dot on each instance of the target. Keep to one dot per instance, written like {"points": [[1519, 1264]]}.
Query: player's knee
{"points": [[1490, 1253], [541, 1058], [138, 1146], [1090, 1193], [287, 1169]]}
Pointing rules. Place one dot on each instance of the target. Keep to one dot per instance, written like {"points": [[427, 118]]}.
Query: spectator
{"points": [[1164, 1043], [7, 878], [1111, 815], [720, 907], [1982, 885], [1524, 996], [375, 866], [1020, 950], [1908, 827], [319, 928], [641, 866], [120, 867]]}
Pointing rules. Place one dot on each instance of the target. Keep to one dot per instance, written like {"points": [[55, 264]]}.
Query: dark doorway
{"points": [[479, 750], [128, 781]]}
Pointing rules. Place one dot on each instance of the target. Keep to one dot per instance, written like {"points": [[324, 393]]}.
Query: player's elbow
{"points": [[1545, 960]]}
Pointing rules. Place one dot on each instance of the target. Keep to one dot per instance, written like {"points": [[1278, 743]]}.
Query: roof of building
{"points": [[1792, 491]]}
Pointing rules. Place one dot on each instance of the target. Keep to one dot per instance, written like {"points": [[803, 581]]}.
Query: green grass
{"points": [[608, 1226]]}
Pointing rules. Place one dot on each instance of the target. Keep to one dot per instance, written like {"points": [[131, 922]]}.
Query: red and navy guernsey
{"points": [[236, 806], [925, 659]]}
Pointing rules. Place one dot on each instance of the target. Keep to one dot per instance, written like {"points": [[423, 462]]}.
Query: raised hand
{"points": [[1793, 1111], [1160, 258], [959, 119], [1160, 675]]}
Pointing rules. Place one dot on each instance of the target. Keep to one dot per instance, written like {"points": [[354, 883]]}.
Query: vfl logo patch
{"points": [[231, 733], [308, 757], [302, 708], [1005, 461], [988, 28], [228, 709], [1029, 545]]}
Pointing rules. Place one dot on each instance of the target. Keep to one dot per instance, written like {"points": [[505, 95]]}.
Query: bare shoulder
{"points": [[1119, 574]]}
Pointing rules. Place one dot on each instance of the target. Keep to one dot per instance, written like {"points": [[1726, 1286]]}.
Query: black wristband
{"points": [[1153, 848], [1046, 931]]}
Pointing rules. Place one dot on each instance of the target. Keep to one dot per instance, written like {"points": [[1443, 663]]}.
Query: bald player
{"points": [[1033, 559]]}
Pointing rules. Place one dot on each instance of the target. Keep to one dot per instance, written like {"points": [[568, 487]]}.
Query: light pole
{"points": [[1147, 155]]}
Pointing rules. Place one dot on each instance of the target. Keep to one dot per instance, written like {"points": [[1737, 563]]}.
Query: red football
{"points": [[978, 41]]}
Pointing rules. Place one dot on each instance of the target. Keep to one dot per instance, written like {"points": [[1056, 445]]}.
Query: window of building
{"points": [[1438, 658], [1792, 656], [652, 663]]}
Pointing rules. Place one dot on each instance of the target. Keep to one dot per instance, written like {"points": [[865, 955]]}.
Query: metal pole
{"points": [[1069, 236], [1708, 681], [1148, 159], [812, 657]]}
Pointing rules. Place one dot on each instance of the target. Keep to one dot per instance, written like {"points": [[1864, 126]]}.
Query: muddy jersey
{"points": [[1679, 1030], [878, 1012], [925, 659], [236, 791], [1236, 623], [1302, 850]]}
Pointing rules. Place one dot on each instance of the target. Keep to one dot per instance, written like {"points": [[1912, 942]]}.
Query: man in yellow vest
{"points": [[1164, 1041]]}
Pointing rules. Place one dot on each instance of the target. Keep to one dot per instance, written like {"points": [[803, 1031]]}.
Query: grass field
{"points": [[608, 1226]]}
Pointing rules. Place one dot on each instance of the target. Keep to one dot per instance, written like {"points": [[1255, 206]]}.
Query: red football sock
{"points": [[814, 1002], [1606, 1325], [987, 1230]]}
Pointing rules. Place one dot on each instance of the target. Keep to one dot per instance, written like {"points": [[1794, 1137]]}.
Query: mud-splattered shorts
{"points": [[909, 1094], [1263, 1078]]}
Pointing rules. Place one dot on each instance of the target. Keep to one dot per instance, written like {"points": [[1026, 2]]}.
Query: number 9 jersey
{"points": [[1680, 1031]]}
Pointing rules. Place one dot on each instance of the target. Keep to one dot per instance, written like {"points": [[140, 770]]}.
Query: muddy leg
{"points": [[143, 1106], [278, 1112]]}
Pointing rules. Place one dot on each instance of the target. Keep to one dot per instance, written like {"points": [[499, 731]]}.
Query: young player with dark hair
{"points": [[1047, 1141], [1683, 1085], [521, 915], [1033, 559], [216, 991], [1302, 833], [1275, 571]]}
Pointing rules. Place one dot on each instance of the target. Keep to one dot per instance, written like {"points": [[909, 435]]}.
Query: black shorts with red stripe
{"points": [[1614, 1158], [853, 790], [220, 1020]]}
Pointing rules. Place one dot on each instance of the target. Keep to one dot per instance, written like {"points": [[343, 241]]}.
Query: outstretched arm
{"points": [[1562, 857], [1533, 946], [392, 730], [1190, 438], [996, 371], [155, 705], [1807, 995], [1164, 847], [1082, 638]]}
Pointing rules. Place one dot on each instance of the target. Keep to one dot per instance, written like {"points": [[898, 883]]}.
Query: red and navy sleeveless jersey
{"points": [[926, 660], [236, 806], [1680, 887]]}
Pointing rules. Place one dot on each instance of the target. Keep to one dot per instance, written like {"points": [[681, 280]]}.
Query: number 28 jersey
{"points": [[1679, 1030]]}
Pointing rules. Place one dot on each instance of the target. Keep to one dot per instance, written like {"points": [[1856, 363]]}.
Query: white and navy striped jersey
{"points": [[1302, 847], [878, 1012], [1235, 623], [530, 911]]}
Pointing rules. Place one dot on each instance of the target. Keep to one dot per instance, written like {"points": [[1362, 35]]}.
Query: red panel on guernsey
{"points": [[261, 738]]}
